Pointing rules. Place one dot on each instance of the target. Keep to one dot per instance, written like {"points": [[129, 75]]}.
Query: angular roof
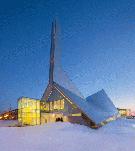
{"points": [[98, 107], [101, 106]]}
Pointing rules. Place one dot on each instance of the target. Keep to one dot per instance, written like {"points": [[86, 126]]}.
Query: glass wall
{"points": [[52, 105], [28, 111]]}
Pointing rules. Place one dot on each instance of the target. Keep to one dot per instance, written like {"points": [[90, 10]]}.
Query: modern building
{"points": [[124, 112], [9, 115], [62, 101], [28, 111]]}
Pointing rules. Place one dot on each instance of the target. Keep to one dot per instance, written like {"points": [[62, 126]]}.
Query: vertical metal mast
{"points": [[52, 61], [52, 51]]}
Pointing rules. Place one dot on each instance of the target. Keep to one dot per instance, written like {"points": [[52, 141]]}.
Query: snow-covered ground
{"points": [[8, 123], [115, 136]]}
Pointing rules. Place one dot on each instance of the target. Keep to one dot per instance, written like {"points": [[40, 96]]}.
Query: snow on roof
{"points": [[101, 106], [97, 110]]}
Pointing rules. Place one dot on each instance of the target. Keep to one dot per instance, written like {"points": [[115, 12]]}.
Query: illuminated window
{"points": [[77, 114], [51, 106], [55, 105], [58, 104], [44, 106], [47, 106], [29, 111], [62, 104]]}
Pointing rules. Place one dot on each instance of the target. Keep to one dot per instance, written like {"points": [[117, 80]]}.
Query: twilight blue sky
{"points": [[97, 41]]}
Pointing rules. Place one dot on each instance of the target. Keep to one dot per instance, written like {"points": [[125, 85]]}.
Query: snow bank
{"points": [[6, 123], [116, 136], [120, 126]]}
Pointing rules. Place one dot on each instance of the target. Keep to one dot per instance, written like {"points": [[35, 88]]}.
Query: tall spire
{"points": [[56, 73], [52, 51]]}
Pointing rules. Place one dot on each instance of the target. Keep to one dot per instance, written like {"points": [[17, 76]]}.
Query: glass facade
{"points": [[56, 108], [52, 105], [28, 111]]}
